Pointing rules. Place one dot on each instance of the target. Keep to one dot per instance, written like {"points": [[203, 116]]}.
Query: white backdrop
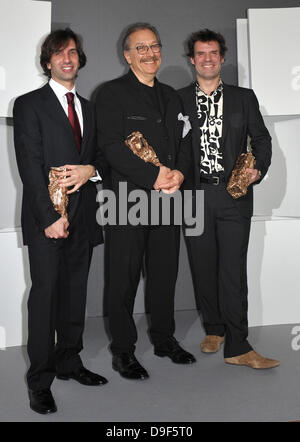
{"points": [[23, 26], [266, 58], [274, 37], [273, 267]]}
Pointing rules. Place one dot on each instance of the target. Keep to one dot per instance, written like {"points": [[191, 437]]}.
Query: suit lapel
{"points": [[191, 111], [86, 124], [54, 108], [228, 148], [227, 109], [57, 113], [190, 103]]}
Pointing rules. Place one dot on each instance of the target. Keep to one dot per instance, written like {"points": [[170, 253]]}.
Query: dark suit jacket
{"points": [[44, 138], [241, 118], [122, 109]]}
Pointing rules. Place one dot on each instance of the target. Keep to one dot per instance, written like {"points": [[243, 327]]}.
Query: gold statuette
{"points": [[140, 147], [58, 194], [239, 180]]}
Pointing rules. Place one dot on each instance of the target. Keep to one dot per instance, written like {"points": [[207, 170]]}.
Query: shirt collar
{"points": [[60, 90], [219, 88], [137, 81]]}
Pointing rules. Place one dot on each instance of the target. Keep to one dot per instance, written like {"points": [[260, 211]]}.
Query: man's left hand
{"points": [[177, 179], [76, 175], [254, 175]]}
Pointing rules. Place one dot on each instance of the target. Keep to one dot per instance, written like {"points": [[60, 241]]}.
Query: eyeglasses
{"points": [[143, 49]]}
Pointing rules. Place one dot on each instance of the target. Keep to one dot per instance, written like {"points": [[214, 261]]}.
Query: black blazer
{"points": [[44, 138], [241, 118], [121, 109]]}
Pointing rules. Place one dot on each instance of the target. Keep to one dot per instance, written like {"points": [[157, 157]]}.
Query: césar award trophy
{"points": [[140, 147], [239, 180], [58, 194]]}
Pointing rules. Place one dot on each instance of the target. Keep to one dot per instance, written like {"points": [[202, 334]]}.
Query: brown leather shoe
{"points": [[253, 360], [211, 344]]}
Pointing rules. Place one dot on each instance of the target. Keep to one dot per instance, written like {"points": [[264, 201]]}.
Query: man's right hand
{"points": [[162, 182], [58, 229]]}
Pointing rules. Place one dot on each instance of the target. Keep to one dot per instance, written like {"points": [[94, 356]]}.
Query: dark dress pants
{"points": [[57, 302], [126, 248], [218, 261]]}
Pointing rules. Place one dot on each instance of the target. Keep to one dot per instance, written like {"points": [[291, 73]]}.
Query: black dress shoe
{"points": [[128, 366], [83, 376], [41, 401], [172, 349]]}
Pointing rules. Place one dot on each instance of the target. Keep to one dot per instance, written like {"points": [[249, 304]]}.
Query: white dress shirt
{"points": [[60, 92]]}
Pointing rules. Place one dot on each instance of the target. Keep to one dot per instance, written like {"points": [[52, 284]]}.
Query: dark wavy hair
{"points": [[137, 27], [205, 35], [56, 40]]}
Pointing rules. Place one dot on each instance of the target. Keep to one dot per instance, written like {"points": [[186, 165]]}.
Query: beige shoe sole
{"points": [[253, 360]]}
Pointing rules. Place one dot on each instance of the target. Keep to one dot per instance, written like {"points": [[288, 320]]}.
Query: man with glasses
{"points": [[139, 102]]}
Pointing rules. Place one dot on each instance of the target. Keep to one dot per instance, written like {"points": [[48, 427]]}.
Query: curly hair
{"points": [[205, 35], [56, 40]]}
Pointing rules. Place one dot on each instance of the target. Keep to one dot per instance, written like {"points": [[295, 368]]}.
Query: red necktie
{"points": [[73, 118]]}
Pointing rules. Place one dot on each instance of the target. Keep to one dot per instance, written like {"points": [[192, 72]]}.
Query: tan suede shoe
{"points": [[211, 344], [253, 360]]}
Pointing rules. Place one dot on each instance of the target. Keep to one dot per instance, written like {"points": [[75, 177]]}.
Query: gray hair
{"points": [[137, 27]]}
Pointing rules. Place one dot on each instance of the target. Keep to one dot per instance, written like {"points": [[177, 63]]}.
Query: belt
{"points": [[214, 180]]}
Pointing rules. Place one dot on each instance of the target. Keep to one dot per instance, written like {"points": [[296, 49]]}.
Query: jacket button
{"points": [[158, 120], [169, 157]]}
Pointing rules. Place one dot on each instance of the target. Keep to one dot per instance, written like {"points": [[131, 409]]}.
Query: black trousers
{"points": [[218, 261], [57, 302], [125, 249]]}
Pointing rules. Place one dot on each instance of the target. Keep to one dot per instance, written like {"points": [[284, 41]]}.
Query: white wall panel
{"points": [[273, 271], [23, 26], [243, 52], [279, 193], [274, 37], [10, 182], [15, 284]]}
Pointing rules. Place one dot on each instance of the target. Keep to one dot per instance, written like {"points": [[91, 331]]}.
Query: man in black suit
{"points": [[222, 118], [139, 102], [54, 126]]}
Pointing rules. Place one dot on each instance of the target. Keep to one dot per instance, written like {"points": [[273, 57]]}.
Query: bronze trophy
{"points": [[58, 194], [239, 180], [140, 147]]}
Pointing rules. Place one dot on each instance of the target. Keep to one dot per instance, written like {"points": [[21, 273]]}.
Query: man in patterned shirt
{"points": [[222, 118]]}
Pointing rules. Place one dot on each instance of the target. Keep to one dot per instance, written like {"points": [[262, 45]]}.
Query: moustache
{"points": [[154, 58]]}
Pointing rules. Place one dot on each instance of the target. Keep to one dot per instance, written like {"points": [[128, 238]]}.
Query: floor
{"points": [[207, 391]]}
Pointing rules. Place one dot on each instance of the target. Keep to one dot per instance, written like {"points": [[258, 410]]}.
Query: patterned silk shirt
{"points": [[210, 115]]}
